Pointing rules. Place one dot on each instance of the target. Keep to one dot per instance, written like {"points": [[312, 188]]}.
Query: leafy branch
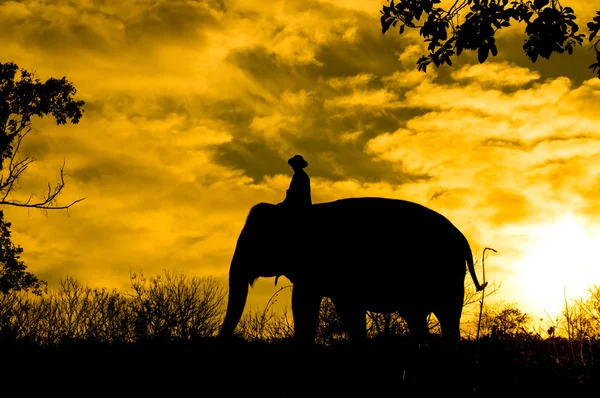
{"points": [[594, 27], [549, 27]]}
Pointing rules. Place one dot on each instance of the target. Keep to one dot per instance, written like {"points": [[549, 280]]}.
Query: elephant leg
{"points": [[305, 310], [449, 318], [417, 326], [450, 312], [354, 318], [450, 361]]}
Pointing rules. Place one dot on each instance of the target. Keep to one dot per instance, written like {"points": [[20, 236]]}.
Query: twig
{"points": [[482, 297], [270, 302], [569, 326], [47, 202], [481, 309]]}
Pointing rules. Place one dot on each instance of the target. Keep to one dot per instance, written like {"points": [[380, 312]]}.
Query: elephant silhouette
{"points": [[364, 254]]}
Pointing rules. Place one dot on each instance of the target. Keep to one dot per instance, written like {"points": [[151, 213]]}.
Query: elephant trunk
{"points": [[238, 293]]}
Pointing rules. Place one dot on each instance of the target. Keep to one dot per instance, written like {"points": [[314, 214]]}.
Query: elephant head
{"points": [[259, 252]]}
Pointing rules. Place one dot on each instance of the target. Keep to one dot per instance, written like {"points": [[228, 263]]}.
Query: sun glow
{"points": [[562, 256]]}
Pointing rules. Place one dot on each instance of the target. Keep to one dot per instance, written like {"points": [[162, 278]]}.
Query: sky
{"points": [[193, 108]]}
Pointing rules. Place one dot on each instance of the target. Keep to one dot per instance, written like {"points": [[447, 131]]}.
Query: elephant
{"points": [[364, 254]]}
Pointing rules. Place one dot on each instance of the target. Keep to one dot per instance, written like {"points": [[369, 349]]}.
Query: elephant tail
{"points": [[471, 267]]}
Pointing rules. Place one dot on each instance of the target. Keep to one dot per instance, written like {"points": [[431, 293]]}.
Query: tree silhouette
{"points": [[22, 98], [550, 27], [13, 276]]}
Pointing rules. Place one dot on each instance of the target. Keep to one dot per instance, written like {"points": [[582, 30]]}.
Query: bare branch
{"points": [[19, 137], [47, 202], [17, 167], [449, 12], [13, 174], [42, 205]]}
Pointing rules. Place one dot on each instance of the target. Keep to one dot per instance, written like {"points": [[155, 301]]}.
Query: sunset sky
{"points": [[193, 108]]}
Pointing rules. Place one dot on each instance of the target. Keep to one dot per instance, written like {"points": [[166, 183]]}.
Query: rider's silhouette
{"points": [[298, 194]]}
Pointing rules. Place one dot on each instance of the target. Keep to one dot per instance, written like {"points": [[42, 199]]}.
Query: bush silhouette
{"points": [[176, 312]]}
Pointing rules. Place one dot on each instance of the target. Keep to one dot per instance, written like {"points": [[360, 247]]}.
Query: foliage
{"points": [[584, 316], [13, 276], [594, 27], [549, 27], [505, 319], [176, 306], [171, 306], [269, 324]]}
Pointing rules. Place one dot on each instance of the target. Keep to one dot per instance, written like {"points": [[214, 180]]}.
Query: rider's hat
{"points": [[297, 161]]}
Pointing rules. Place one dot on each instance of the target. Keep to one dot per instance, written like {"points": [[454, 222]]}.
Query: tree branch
{"points": [[48, 202]]}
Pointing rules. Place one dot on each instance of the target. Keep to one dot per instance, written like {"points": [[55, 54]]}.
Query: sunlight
{"points": [[563, 255]]}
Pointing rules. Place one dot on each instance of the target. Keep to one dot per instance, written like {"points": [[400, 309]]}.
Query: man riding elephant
{"points": [[297, 200], [298, 194]]}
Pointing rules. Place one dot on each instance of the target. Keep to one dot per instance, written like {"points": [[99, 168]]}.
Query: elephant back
{"points": [[390, 235]]}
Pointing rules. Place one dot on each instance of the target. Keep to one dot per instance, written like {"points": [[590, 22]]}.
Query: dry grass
{"points": [[176, 312]]}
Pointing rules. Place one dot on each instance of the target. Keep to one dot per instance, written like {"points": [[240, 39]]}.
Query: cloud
{"points": [[509, 207], [499, 74], [375, 99], [351, 82], [407, 79]]}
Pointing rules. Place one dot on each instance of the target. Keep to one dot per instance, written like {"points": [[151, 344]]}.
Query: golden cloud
{"points": [[496, 73]]}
